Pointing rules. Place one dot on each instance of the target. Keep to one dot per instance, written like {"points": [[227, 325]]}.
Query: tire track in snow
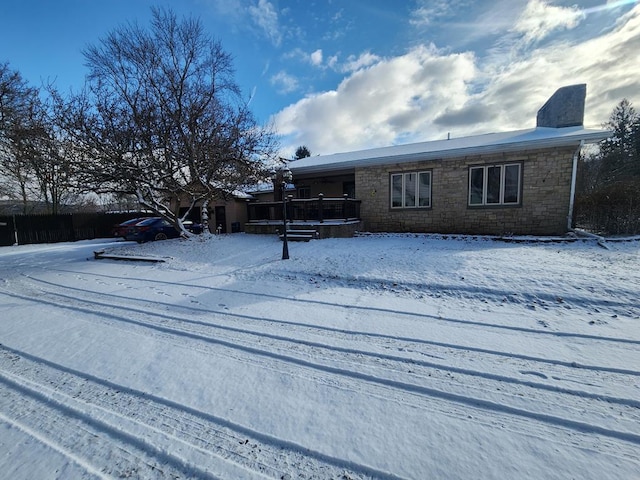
{"points": [[369, 335], [86, 440], [143, 419], [39, 437], [372, 383], [564, 372], [353, 355], [413, 363], [281, 298]]}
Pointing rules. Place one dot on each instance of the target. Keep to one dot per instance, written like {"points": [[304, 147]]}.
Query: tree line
{"points": [[608, 183], [160, 118]]}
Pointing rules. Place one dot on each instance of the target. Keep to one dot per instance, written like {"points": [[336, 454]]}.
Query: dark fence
{"points": [[612, 210], [307, 209], [26, 229]]}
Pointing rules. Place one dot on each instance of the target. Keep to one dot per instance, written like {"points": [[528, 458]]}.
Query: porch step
{"points": [[300, 235]]}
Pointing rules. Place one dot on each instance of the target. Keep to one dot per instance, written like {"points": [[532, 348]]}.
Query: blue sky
{"points": [[339, 75]]}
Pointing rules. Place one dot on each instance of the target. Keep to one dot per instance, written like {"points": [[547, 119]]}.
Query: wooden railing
{"points": [[306, 210]]}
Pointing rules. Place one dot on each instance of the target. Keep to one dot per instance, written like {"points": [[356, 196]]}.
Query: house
{"points": [[520, 182], [223, 215]]}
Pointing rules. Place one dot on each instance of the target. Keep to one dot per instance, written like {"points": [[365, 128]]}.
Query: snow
{"points": [[490, 143], [381, 356]]}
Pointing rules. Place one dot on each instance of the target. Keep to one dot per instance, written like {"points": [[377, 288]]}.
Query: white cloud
{"points": [[284, 82], [265, 16], [267, 64], [540, 19], [427, 11], [606, 63], [376, 105], [227, 8], [426, 93], [316, 58], [354, 63]]}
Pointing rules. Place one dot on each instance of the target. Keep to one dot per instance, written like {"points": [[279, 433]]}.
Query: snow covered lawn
{"points": [[383, 356]]}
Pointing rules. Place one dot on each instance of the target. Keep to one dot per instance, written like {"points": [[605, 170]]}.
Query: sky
{"points": [[342, 75]]}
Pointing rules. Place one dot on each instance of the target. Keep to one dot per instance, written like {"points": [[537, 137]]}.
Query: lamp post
{"points": [[286, 177]]}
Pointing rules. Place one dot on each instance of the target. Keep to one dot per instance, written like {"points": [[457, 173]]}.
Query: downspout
{"points": [[574, 176]]}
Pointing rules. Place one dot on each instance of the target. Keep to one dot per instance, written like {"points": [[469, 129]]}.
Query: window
{"points": [[494, 185], [304, 192], [411, 190], [349, 189]]}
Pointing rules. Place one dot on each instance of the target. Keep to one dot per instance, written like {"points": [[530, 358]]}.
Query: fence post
{"points": [[15, 229], [320, 207], [344, 206]]}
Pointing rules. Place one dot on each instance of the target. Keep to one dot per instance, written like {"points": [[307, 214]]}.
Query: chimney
{"points": [[565, 108]]}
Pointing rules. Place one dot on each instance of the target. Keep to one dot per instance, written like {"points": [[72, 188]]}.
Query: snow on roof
{"points": [[539, 137]]}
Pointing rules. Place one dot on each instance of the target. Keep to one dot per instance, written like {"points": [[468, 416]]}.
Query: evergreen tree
{"points": [[620, 154], [302, 152], [608, 195]]}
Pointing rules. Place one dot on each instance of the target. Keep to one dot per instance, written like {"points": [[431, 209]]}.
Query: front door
{"points": [[349, 189], [221, 219]]}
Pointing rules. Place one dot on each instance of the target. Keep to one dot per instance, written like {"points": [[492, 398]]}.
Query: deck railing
{"points": [[318, 209]]}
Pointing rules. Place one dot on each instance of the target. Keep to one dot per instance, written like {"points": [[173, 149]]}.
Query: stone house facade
{"points": [[520, 182], [542, 208]]}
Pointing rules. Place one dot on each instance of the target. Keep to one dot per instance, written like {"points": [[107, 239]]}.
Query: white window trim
{"points": [[417, 189], [485, 178]]}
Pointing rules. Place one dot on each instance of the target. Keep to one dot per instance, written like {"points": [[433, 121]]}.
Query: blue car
{"points": [[154, 228], [123, 228], [157, 228], [193, 227]]}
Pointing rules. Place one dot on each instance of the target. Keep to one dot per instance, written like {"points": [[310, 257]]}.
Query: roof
{"points": [[534, 138]]}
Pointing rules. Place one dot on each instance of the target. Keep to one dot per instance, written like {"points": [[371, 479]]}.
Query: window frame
{"points": [[416, 190], [504, 188], [303, 191]]}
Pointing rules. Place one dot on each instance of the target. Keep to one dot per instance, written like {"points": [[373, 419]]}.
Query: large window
{"points": [[494, 185], [411, 190]]}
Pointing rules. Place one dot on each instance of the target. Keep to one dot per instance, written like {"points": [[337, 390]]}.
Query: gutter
{"points": [[601, 241], [574, 175]]}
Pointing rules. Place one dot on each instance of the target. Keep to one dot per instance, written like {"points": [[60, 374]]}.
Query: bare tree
{"points": [[18, 103], [163, 119], [33, 166]]}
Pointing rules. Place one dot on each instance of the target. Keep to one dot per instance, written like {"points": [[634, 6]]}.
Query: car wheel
{"points": [[161, 236]]}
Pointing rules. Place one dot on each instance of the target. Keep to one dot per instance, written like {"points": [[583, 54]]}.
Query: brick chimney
{"points": [[565, 108]]}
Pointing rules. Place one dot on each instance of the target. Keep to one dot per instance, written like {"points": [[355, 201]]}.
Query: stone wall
{"points": [[546, 185]]}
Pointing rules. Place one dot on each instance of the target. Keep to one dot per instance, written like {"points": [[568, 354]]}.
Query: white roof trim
{"points": [[540, 137]]}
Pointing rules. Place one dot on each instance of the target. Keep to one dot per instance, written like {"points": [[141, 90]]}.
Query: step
{"points": [[300, 235], [100, 255]]}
